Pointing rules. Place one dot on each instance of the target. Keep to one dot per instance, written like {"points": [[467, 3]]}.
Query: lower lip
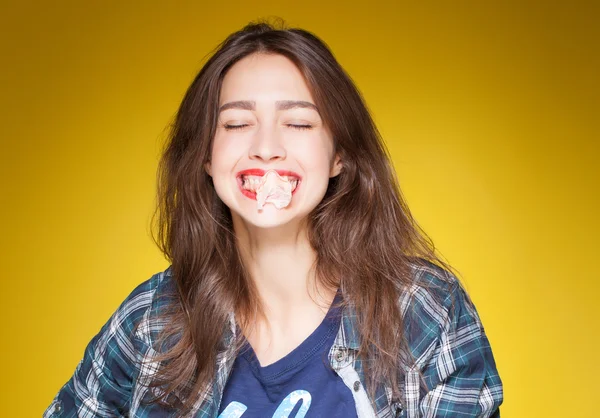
{"points": [[252, 195]]}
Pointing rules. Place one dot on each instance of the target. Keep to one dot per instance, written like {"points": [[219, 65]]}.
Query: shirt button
{"points": [[58, 407], [339, 356], [397, 409], [356, 386]]}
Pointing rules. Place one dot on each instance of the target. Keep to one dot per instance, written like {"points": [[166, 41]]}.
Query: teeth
{"points": [[259, 178], [252, 182]]}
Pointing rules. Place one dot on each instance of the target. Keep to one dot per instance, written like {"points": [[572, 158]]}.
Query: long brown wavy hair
{"points": [[362, 232]]}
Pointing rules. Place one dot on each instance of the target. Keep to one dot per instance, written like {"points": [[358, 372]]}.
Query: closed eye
{"points": [[298, 127], [233, 127]]}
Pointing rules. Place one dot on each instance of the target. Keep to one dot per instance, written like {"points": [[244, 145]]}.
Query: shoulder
{"points": [[103, 381], [432, 290], [139, 312], [450, 352], [434, 305]]}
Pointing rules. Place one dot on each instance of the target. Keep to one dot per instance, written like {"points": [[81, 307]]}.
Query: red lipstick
{"points": [[260, 172]]}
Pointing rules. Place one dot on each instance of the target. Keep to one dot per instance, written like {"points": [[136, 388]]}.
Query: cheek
{"points": [[316, 153], [223, 156]]}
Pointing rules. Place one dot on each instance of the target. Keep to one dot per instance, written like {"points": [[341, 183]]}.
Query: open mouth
{"points": [[249, 182]]}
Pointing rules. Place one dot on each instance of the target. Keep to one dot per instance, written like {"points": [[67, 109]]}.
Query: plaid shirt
{"points": [[444, 332]]}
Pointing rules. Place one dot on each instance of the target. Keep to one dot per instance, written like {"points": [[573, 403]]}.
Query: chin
{"points": [[268, 218], [244, 211]]}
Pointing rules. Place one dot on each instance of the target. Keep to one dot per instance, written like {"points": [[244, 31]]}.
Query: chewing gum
{"points": [[273, 189]]}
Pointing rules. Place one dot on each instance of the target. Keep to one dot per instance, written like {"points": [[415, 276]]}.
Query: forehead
{"points": [[264, 77]]}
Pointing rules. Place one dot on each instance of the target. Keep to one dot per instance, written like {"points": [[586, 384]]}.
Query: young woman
{"points": [[299, 285]]}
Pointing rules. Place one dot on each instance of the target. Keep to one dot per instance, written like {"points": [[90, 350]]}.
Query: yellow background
{"points": [[490, 110]]}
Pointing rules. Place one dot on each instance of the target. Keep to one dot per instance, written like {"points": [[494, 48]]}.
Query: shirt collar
{"points": [[348, 336]]}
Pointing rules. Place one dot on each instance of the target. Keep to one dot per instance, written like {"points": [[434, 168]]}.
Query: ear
{"points": [[208, 168], [337, 166]]}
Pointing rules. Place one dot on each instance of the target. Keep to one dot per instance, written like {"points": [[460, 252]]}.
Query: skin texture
{"points": [[273, 242]]}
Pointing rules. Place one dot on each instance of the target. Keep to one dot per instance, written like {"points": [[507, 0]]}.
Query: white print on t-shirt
{"points": [[237, 409]]}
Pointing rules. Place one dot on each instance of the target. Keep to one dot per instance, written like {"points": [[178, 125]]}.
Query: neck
{"points": [[281, 263]]}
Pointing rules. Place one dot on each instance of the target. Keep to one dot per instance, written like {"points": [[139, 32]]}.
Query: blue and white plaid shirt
{"points": [[444, 332]]}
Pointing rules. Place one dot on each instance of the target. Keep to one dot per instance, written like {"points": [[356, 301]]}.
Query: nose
{"points": [[267, 145]]}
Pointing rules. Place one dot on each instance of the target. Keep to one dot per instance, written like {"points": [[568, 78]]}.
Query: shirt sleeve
{"points": [[102, 383], [460, 374]]}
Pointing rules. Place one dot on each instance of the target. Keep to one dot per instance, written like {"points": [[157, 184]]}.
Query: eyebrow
{"points": [[279, 105]]}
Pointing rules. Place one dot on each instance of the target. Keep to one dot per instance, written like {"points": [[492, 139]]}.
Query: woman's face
{"points": [[268, 120]]}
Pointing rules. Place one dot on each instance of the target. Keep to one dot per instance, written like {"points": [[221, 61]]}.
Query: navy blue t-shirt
{"points": [[301, 384]]}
